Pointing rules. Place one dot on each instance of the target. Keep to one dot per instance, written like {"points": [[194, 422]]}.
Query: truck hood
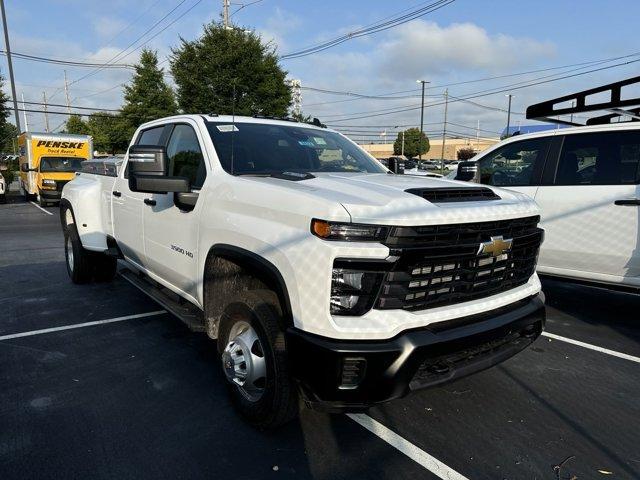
{"points": [[382, 199]]}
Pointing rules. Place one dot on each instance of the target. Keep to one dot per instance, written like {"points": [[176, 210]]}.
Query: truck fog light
{"points": [[353, 292], [353, 370]]}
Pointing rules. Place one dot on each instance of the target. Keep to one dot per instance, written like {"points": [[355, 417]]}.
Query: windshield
{"points": [[264, 149], [60, 164]]}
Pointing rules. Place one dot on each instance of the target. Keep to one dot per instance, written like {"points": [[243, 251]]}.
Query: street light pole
{"points": [[421, 117], [509, 113], [10, 65], [444, 128]]}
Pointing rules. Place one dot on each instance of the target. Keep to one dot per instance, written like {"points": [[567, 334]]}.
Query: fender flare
{"points": [[255, 263]]}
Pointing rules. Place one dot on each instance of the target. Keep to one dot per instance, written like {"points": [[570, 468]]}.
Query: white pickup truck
{"points": [[320, 273]]}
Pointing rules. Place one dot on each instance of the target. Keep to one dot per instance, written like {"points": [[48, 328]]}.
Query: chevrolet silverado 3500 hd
{"points": [[319, 272]]}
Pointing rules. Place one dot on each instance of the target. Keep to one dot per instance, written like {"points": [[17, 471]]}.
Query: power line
{"points": [[390, 95], [485, 93], [59, 61], [370, 29], [121, 52]]}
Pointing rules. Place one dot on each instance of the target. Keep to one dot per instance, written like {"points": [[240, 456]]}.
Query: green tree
{"points": [[109, 133], [147, 97], [466, 153], [7, 130], [9, 136], [414, 143], [209, 69], [75, 125]]}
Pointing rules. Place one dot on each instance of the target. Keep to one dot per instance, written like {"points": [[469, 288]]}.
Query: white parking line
{"points": [[592, 347], [38, 206], [432, 464], [81, 325]]}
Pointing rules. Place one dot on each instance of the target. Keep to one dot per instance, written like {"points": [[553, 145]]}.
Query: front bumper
{"points": [[50, 194], [426, 357]]}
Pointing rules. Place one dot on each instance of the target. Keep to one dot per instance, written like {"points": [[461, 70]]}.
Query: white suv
{"points": [[586, 181]]}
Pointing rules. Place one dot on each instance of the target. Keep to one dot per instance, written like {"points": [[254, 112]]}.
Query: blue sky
{"points": [[467, 40]]}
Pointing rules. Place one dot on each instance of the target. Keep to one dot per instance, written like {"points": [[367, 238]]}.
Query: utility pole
{"points": [[66, 93], [478, 135], [225, 13], [46, 115], [421, 115], [444, 128], [10, 64], [24, 111], [509, 113]]}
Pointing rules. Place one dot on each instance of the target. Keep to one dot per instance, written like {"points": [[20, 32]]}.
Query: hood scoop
{"points": [[454, 194]]}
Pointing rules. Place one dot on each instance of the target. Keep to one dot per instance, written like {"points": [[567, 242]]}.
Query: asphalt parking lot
{"points": [[142, 397]]}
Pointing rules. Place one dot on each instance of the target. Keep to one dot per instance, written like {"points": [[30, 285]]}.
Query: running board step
{"points": [[191, 315]]}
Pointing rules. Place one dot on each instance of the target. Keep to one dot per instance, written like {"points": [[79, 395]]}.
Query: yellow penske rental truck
{"points": [[48, 161]]}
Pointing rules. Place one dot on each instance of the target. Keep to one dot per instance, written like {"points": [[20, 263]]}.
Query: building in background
{"points": [[451, 147]]}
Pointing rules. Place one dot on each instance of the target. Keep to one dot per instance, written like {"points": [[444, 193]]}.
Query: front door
{"points": [[591, 213], [516, 165], [171, 234]]}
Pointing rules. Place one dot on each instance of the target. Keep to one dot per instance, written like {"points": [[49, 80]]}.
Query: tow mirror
{"points": [[466, 171], [25, 168], [147, 160], [148, 171]]}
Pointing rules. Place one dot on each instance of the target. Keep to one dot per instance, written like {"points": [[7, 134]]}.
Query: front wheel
{"points": [[41, 201], [254, 360]]}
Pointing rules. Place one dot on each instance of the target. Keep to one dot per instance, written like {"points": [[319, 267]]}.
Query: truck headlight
{"points": [[353, 292], [48, 182], [350, 232]]}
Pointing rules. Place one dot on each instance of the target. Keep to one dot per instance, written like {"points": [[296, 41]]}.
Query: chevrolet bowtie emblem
{"points": [[495, 247]]}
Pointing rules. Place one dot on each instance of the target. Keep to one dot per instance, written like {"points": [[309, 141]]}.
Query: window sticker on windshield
{"points": [[227, 128], [319, 141], [306, 143]]}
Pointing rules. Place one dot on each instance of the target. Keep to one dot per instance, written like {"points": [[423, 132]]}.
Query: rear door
{"points": [[127, 206], [517, 165], [590, 209]]}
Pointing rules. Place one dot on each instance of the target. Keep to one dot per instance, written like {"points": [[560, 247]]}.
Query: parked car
{"points": [[3, 189], [318, 272], [587, 183]]}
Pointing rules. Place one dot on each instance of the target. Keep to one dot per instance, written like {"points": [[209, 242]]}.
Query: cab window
{"points": [[185, 155], [609, 158], [513, 164], [150, 136]]}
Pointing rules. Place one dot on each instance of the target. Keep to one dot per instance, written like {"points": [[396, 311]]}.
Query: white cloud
{"points": [[106, 26], [425, 48]]}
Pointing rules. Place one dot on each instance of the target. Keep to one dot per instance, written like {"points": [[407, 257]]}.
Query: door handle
{"points": [[150, 201], [116, 193], [629, 201]]}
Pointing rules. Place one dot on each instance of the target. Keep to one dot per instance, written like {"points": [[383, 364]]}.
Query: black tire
{"points": [[3, 198], [279, 401], [41, 201], [78, 260]]}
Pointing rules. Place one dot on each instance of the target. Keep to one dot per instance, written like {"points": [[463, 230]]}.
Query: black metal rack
{"points": [[616, 107]]}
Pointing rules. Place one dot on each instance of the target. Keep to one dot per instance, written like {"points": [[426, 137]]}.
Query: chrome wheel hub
{"points": [[243, 361], [69, 254]]}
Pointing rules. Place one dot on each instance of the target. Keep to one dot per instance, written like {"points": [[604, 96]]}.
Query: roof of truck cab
{"points": [[573, 130], [230, 119]]}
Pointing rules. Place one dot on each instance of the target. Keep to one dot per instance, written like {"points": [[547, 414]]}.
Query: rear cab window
{"points": [[600, 158]]}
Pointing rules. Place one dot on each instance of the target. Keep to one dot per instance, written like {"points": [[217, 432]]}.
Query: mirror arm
{"points": [[185, 200]]}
